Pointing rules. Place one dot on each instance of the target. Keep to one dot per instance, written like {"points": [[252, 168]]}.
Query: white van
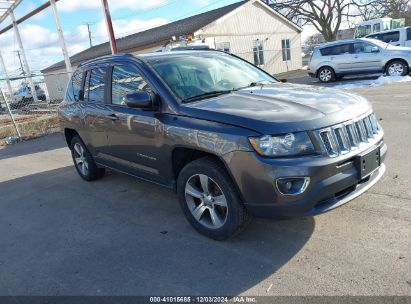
{"points": [[398, 37], [377, 25]]}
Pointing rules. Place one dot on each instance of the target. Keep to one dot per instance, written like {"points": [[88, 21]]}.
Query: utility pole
{"points": [[109, 24], [24, 58], [3, 65], [89, 33], [61, 37]]}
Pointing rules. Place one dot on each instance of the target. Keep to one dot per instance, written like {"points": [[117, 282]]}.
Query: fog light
{"points": [[292, 185]]}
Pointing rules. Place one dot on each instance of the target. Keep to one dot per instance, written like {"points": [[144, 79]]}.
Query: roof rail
{"points": [[121, 55]]}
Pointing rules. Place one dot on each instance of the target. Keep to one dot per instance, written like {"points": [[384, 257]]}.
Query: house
{"points": [[249, 29]]}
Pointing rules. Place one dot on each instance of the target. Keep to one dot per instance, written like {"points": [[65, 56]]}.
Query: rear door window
{"points": [[337, 50], [94, 86]]}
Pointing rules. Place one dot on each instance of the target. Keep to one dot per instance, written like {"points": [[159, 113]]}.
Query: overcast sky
{"points": [[129, 16]]}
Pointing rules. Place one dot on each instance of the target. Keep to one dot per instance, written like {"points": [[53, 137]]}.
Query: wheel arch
{"points": [[69, 134], [397, 59], [181, 156]]}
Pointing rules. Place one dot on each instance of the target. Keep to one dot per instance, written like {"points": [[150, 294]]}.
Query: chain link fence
{"points": [[22, 115]]}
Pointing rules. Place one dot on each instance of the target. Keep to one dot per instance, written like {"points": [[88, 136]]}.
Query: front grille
{"points": [[343, 138]]}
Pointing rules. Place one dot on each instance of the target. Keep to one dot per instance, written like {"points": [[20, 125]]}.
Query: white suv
{"points": [[334, 60]]}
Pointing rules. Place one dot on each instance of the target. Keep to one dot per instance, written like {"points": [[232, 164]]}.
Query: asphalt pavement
{"points": [[121, 236]]}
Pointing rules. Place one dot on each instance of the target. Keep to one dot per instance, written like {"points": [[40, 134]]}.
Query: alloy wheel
{"points": [[206, 201], [80, 158], [325, 75], [396, 69]]}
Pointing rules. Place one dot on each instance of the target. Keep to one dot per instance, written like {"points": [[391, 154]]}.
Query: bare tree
{"points": [[386, 8], [326, 15]]}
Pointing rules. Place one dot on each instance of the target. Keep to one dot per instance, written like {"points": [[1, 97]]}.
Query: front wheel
{"points": [[83, 161], [326, 74], [210, 200], [397, 68]]}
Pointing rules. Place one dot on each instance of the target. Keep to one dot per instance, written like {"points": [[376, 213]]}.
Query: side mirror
{"points": [[375, 49], [140, 100], [283, 80]]}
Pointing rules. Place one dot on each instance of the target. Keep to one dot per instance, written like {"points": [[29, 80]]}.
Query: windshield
{"points": [[193, 77]]}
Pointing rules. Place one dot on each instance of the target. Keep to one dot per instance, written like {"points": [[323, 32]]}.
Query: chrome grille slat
{"points": [[353, 136], [368, 128], [329, 143], [341, 139]]}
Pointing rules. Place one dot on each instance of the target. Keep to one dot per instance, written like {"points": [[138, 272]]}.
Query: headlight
{"points": [[284, 145]]}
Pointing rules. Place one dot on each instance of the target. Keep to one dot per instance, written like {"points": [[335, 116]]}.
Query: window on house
{"points": [[224, 46], [285, 45], [258, 50]]}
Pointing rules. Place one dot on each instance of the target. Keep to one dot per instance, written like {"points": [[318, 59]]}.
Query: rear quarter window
{"points": [[73, 92]]}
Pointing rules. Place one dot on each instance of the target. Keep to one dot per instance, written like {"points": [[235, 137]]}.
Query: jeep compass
{"points": [[230, 139]]}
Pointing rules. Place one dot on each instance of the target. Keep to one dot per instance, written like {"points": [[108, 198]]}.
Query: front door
{"points": [[365, 60], [132, 136]]}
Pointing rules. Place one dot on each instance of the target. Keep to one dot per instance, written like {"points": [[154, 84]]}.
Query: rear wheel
{"points": [[83, 161], [396, 68], [326, 74], [210, 200]]}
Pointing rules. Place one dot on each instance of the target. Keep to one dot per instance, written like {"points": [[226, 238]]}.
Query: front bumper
{"points": [[334, 182]]}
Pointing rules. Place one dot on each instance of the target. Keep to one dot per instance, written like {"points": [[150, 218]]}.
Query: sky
{"points": [[40, 38]]}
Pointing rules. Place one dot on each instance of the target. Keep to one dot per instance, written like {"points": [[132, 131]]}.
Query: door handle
{"points": [[112, 117]]}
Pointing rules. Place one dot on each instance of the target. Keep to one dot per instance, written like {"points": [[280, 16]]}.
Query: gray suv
{"points": [[334, 60], [229, 138]]}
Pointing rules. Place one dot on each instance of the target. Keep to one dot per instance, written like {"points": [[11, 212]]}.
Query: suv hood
{"points": [[279, 108]]}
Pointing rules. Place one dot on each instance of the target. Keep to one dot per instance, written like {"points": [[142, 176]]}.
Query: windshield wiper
{"points": [[256, 84], [207, 94]]}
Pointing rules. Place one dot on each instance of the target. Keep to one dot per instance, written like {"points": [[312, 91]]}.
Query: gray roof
{"points": [[151, 37]]}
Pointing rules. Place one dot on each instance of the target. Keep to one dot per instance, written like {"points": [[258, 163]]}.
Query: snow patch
{"points": [[382, 80]]}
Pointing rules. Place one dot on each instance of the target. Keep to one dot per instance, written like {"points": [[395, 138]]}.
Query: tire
{"points": [[83, 161], [326, 74], [396, 68], [220, 214]]}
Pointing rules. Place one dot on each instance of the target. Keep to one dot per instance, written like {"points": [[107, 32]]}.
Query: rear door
{"points": [[365, 60], [95, 111], [340, 56]]}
